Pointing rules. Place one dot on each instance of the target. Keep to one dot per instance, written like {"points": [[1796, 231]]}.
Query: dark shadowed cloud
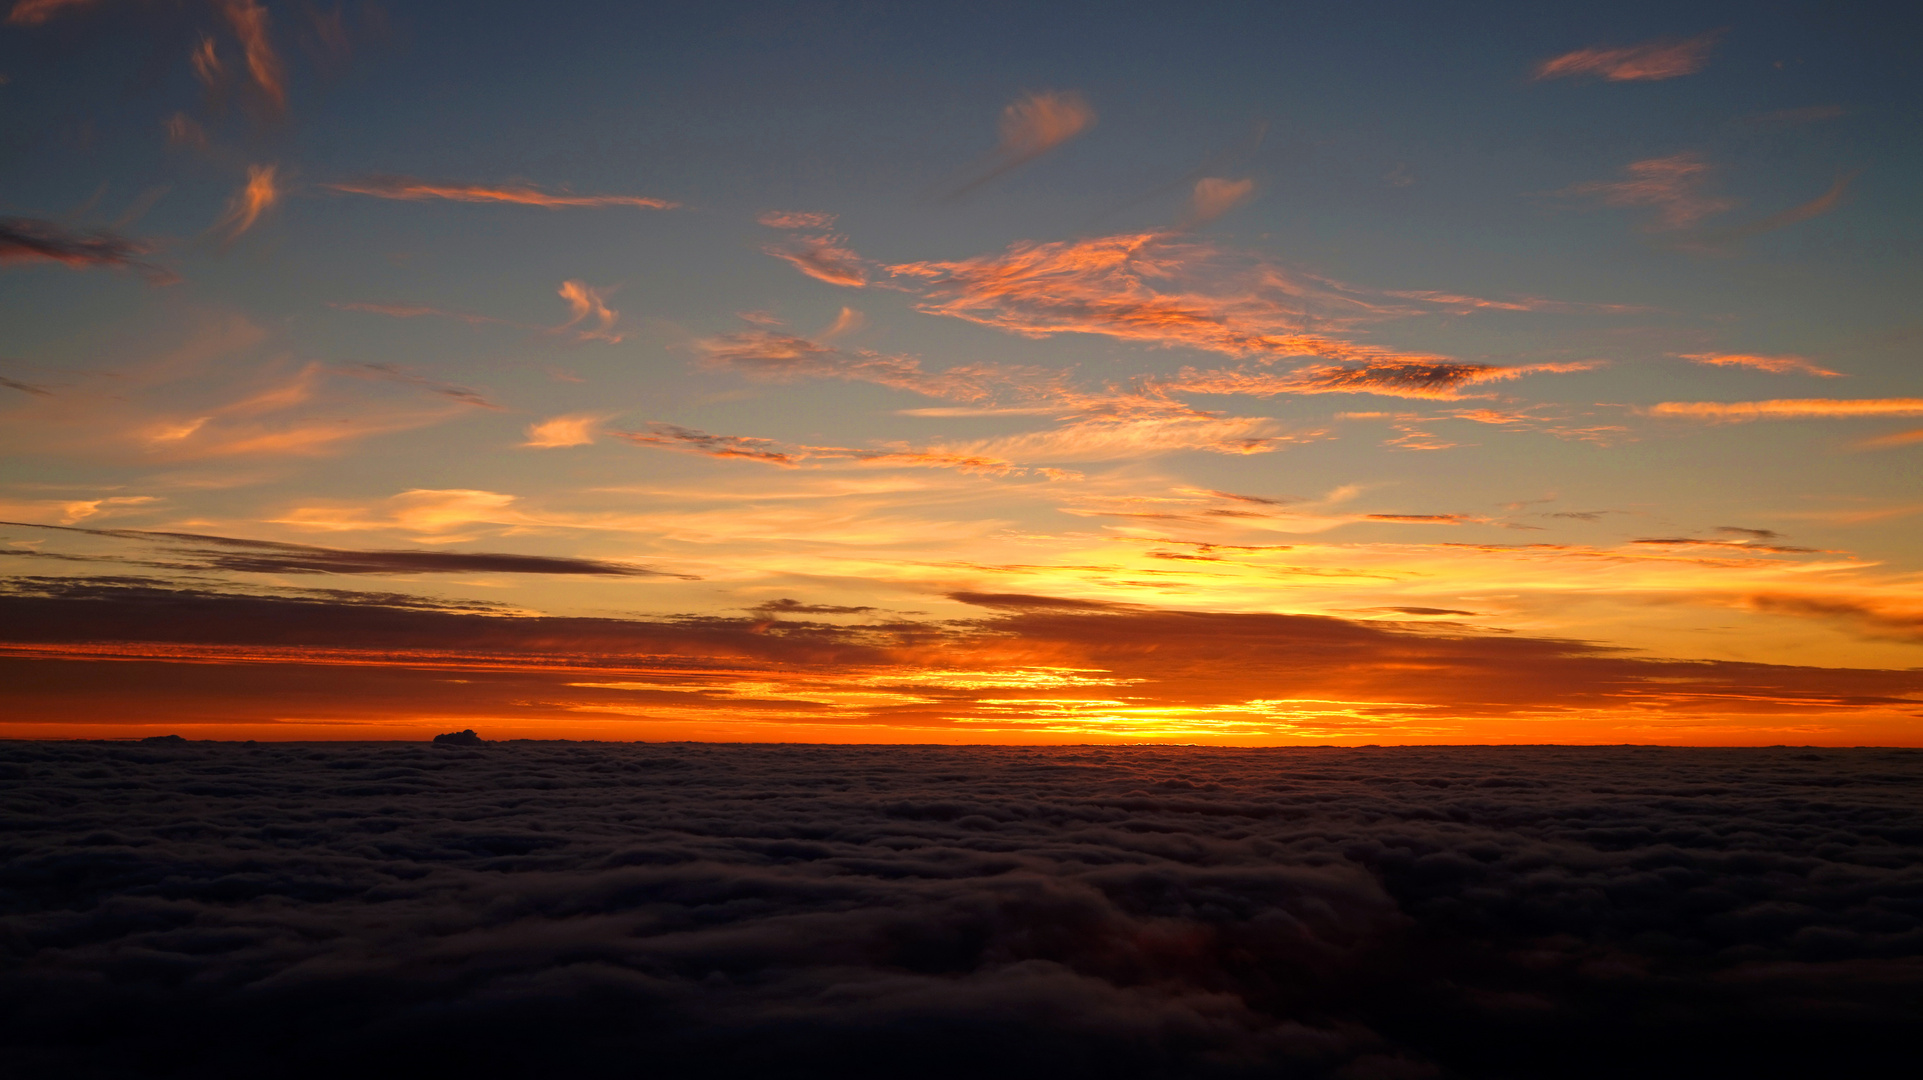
{"points": [[32, 240]]}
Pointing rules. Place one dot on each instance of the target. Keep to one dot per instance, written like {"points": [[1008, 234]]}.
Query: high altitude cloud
{"points": [[255, 198], [1030, 127], [1816, 207], [31, 240], [589, 304], [824, 258], [1664, 58], [1789, 409], [236, 555], [1214, 196], [35, 12], [787, 219], [1672, 186], [413, 189], [575, 429], [248, 20], [1437, 380], [1778, 365]]}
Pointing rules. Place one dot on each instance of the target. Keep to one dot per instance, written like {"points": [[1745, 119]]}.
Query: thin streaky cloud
{"points": [[1778, 365], [801, 220], [1816, 207], [1664, 58], [407, 311], [395, 374], [33, 240], [36, 12], [412, 189], [25, 388], [1672, 186], [255, 198], [1789, 409], [1430, 378], [1886, 442], [675, 437], [1030, 127]]}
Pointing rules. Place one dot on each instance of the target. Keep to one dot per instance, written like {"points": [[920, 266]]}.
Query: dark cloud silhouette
{"points": [[205, 552], [33, 240], [685, 910]]}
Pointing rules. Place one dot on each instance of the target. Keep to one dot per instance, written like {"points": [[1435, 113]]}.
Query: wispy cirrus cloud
{"points": [[1816, 207], [248, 20], [1672, 186], [411, 311], [1789, 409], [255, 198], [824, 258], [591, 313], [1886, 442], [1213, 197], [800, 220], [1029, 127], [1663, 58], [414, 189], [33, 240], [1440, 380], [1777, 365], [690, 440], [35, 12], [396, 374]]}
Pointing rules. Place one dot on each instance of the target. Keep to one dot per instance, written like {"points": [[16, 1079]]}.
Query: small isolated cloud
{"points": [[395, 374], [413, 189], [25, 388], [784, 219], [589, 303], [249, 23], [1032, 126], [675, 437], [1672, 186], [1778, 365], [33, 240], [255, 198], [1214, 197], [1816, 207], [823, 258], [1789, 409], [1664, 58], [184, 130], [574, 429], [847, 322]]}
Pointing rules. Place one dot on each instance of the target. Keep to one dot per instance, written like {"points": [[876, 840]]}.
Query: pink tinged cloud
{"points": [[824, 259], [588, 303], [412, 189], [1778, 365], [1664, 58], [1789, 409], [1214, 197], [32, 240], [1432, 379], [1816, 207], [249, 22], [576, 429], [36, 12], [1030, 127], [784, 219], [1672, 186]]}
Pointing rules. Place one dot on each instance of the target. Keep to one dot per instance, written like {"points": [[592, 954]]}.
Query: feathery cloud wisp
{"points": [[823, 258], [1779, 365], [249, 22], [588, 302], [1214, 197], [1672, 186], [35, 12], [32, 240], [784, 219], [255, 198], [413, 189], [1664, 58], [1031, 127]]}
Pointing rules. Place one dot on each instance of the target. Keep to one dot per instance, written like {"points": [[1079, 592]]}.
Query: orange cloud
{"points": [[1031, 127], [1214, 197], [575, 429], [824, 259], [1672, 186], [1779, 365], [781, 219], [1885, 442], [1789, 409], [255, 198], [411, 189], [1664, 58], [744, 447], [589, 303], [249, 22], [205, 60], [35, 12], [1431, 378]]}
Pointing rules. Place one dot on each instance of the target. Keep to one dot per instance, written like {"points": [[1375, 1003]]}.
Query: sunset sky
{"points": [[861, 372]]}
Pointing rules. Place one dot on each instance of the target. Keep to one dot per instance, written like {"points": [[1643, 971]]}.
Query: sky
{"points": [[1258, 374]]}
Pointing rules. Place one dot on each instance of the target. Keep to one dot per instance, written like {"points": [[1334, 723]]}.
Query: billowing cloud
{"points": [[1777, 365], [1789, 409], [414, 189], [823, 258], [1672, 186], [589, 304], [1664, 58], [802, 220], [255, 198], [573, 429], [1030, 127], [32, 240]]}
